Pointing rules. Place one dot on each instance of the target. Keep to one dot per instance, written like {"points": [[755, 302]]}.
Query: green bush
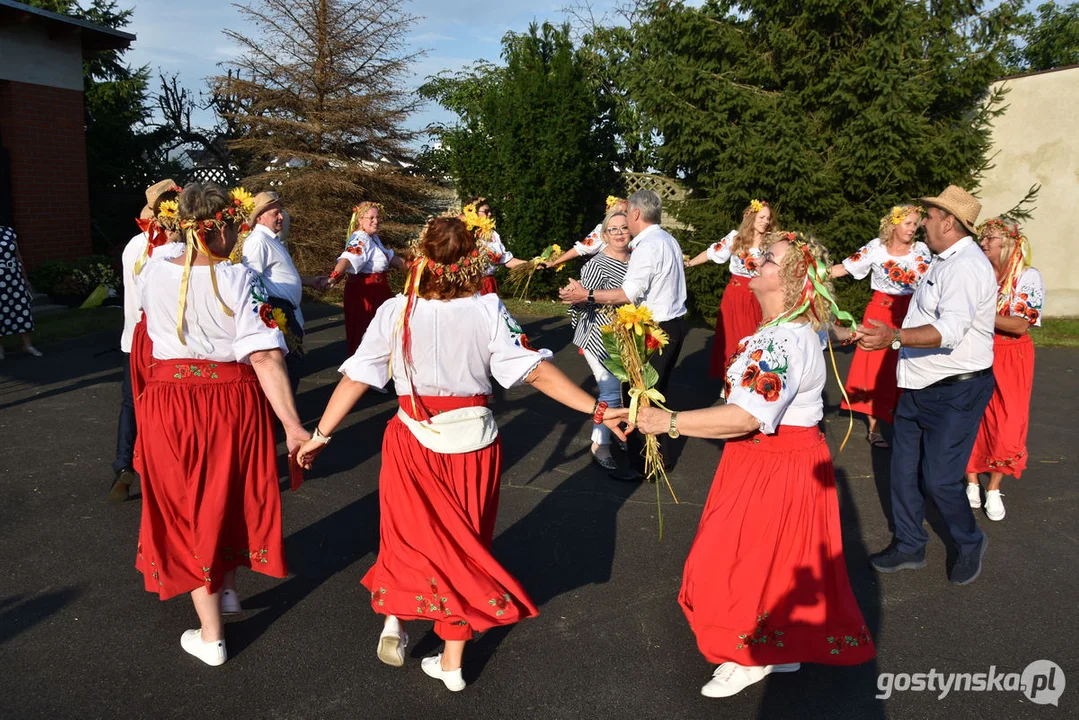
{"points": [[48, 274]]}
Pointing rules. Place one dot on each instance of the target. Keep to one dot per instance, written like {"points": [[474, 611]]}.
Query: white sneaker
{"points": [[974, 495], [994, 506], [452, 679], [730, 678], [211, 653], [30, 349], [230, 602], [392, 642]]}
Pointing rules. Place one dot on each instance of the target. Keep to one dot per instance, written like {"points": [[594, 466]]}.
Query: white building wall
{"points": [[29, 55]]}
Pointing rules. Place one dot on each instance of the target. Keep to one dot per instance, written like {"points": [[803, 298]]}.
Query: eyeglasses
{"points": [[618, 230]]}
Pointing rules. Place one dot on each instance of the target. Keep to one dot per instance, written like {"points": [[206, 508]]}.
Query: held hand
{"points": [[307, 454], [875, 335], [542, 266], [295, 438], [653, 421], [321, 283], [573, 293], [614, 418]]}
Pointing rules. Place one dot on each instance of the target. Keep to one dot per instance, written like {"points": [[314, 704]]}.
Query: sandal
{"points": [[877, 440]]}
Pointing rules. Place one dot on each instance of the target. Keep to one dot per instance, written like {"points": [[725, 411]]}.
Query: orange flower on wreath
{"points": [[768, 386]]}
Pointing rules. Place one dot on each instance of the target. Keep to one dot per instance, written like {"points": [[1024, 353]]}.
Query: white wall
{"points": [[29, 55], [1037, 141]]}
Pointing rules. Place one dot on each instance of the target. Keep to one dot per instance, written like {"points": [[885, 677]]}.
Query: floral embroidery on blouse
{"points": [[355, 248], [749, 260], [905, 277], [765, 371], [761, 634], [1028, 298], [518, 334], [263, 306], [891, 275], [589, 240]]}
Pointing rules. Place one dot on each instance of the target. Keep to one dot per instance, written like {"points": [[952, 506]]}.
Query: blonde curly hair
{"points": [[888, 223], [793, 269]]}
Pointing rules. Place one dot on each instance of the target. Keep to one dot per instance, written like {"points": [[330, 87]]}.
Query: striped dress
{"points": [[602, 272]]}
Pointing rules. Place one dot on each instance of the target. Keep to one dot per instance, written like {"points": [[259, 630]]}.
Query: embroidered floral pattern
{"points": [[1006, 462], [519, 337], [761, 635], [1027, 301], [892, 275], [750, 260], [354, 248], [764, 372], [434, 604], [839, 644], [259, 555], [378, 595], [205, 372], [501, 603]]}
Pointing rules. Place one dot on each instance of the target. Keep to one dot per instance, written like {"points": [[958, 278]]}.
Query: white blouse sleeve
{"points": [[765, 377], [370, 363], [512, 358], [364, 255], [860, 263], [720, 252], [592, 243], [1029, 297], [500, 254], [256, 328]]}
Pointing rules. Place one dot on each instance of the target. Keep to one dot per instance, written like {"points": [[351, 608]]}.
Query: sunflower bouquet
{"points": [[520, 277], [630, 339]]}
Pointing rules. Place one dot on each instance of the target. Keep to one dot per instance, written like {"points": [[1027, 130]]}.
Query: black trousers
{"points": [[294, 365], [126, 430], [664, 365]]}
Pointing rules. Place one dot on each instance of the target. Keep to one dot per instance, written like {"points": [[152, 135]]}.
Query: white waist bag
{"points": [[455, 431]]}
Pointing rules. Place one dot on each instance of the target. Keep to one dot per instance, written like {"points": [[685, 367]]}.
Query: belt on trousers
{"points": [[954, 379]]}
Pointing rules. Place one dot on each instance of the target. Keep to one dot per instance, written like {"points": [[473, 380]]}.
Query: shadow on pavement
{"points": [[19, 613]]}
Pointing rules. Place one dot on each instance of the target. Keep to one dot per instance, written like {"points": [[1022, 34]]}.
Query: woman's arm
{"points": [[515, 262], [397, 262], [269, 366], [553, 383], [721, 422], [563, 258], [1011, 325], [338, 274], [700, 259], [345, 396], [839, 270]]}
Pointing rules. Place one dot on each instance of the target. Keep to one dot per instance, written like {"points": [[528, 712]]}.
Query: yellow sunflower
{"points": [[633, 317], [242, 199]]}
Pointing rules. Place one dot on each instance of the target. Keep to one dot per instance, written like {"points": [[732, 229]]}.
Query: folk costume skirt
{"points": [[1001, 445], [739, 317], [437, 520], [488, 286], [765, 581], [364, 294], [210, 495], [871, 383], [141, 357]]}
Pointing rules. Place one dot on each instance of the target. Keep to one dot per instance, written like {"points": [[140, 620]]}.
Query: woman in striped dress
{"points": [[605, 271]]}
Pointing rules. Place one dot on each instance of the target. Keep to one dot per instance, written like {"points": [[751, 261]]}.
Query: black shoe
{"points": [[121, 485], [968, 567], [892, 560], [630, 476], [607, 463]]}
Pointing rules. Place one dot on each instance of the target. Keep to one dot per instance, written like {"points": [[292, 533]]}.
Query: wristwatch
{"points": [[896, 341], [673, 429], [591, 297]]}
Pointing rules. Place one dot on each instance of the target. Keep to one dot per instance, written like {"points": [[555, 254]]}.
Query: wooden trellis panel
{"points": [[668, 190]]}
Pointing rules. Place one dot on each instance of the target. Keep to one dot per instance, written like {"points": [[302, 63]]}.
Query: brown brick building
{"points": [[43, 182]]}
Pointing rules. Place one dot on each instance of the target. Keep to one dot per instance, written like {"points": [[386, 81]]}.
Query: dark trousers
{"points": [[294, 366], [126, 431], [935, 429], [664, 365]]}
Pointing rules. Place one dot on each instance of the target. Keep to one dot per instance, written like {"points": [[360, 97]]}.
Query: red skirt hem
{"points": [[871, 382], [1001, 444], [739, 317], [364, 295]]}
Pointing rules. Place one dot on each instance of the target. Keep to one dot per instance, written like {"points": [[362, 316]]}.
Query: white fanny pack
{"points": [[455, 431]]}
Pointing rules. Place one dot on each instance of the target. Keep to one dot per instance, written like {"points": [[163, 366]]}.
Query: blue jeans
{"points": [[126, 431], [935, 429], [610, 392]]}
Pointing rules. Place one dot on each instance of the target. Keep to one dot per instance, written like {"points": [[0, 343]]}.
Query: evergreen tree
{"points": [[833, 111], [533, 137], [1045, 41], [318, 98]]}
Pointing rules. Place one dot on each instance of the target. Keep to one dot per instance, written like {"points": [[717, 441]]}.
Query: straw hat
{"points": [[157, 190], [263, 202], [958, 202]]}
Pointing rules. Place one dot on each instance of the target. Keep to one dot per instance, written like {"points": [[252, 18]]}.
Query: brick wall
{"points": [[42, 129]]}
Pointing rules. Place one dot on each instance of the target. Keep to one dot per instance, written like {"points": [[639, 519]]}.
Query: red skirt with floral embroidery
{"points": [[1001, 445], [739, 317], [871, 384], [210, 496], [489, 286], [364, 294], [437, 519], [765, 581]]}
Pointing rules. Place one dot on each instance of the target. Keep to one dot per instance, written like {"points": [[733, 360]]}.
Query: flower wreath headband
{"points": [[240, 206], [900, 213], [613, 200], [755, 206], [814, 284], [1018, 261], [358, 212], [166, 220]]}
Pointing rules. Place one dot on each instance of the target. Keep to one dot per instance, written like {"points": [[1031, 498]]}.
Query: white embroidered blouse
{"points": [[892, 274], [366, 254], [745, 264]]}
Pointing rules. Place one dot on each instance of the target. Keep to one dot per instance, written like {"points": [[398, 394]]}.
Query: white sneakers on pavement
{"points": [[230, 602], [730, 678], [994, 506], [211, 653], [974, 495], [452, 679], [392, 642]]}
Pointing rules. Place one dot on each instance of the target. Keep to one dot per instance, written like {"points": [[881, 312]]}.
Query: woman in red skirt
{"points": [[440, 342], [497, 251], [1001, 446], [739, 312], [365, 261], [210, 494], [897, 264], [765, 585]]}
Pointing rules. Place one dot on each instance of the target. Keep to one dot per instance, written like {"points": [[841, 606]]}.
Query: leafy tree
{"points": [[833, 111], [1045, 41], [533, 137], [317, 100]]}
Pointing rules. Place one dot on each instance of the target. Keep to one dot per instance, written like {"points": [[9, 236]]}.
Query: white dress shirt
{"points": [[457, 346], [656, 277], [958, 296], [264, 253]]}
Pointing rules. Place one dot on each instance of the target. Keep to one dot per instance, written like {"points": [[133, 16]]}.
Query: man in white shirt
{"points": [[656, 279], [265, 253], [946, 372]]}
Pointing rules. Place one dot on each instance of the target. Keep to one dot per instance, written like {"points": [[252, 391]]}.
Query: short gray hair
{"points": [[650, 205]]}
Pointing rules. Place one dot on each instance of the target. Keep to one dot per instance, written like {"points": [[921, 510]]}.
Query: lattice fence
{"points": [[219, 175], [668, 190]]}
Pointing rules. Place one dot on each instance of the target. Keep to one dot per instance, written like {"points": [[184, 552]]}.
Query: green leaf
{"points": [[651, 376]]}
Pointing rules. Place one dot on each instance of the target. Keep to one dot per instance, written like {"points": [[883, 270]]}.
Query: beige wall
{"points": [[28, 54], [1037, 141]]}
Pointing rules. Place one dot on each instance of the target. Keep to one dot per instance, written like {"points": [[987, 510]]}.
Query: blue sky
{"points": [[186, 37]]}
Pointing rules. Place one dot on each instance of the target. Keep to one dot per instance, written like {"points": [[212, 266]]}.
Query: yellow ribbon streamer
{"points": [[843, 390], [195, 244], [635, 395]]}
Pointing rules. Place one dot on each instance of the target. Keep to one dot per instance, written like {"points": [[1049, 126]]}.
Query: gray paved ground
{"points": [[80, 638]]}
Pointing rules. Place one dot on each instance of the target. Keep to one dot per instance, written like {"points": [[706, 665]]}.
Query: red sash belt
{"points": [[436, 404], [189, 370], [368, 278]]}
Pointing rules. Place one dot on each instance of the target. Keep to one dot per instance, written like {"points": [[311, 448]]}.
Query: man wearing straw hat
{"points": [[946, 372], [264, 252]]}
